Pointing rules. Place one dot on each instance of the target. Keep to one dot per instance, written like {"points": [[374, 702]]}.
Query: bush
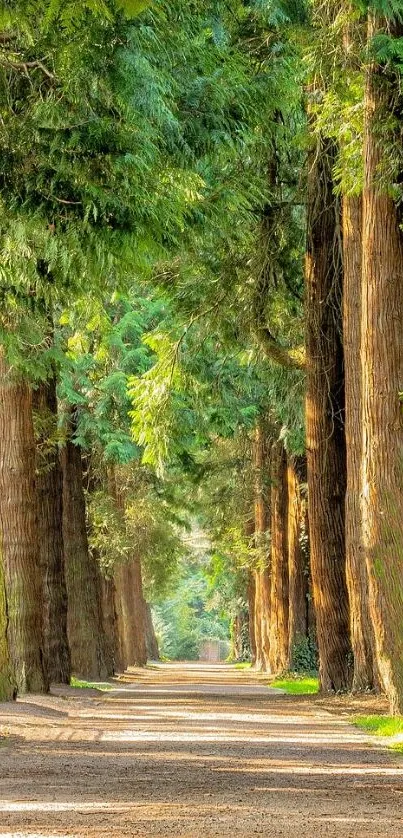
{"points": [[304, 656]]}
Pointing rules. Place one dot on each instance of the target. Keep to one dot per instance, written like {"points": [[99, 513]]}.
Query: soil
{"points": [[194, 751]]}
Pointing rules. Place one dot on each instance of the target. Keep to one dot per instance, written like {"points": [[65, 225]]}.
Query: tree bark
{"points": [[137, 625], [362, 633], [279, 657], [298, 554], [382, 371], [326, 456], [8, 687], [120, 609], [110, 623], [19, 533], [132, 611], [251, 592], [262, 574], [50, 497], [153, 652], [85, 629]]}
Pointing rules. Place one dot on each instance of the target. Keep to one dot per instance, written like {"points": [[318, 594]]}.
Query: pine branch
{"points": [[26, 65]]}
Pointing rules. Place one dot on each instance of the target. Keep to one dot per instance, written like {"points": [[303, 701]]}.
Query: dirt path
{"points": [[191, 752]]}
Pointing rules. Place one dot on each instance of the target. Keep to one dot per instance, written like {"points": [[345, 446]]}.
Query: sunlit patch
{"points": [[313, 770], [33, 835], [63, 806], [215, 735]]}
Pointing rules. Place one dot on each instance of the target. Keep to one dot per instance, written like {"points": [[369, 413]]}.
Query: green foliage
{"points": [[190, 615], [304, 655]]}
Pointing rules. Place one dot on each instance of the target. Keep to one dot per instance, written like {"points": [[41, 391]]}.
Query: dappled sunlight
{"points": [[167, 761]]}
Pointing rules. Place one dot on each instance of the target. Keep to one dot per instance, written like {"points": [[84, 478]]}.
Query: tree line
{"points": [[201, 314]]}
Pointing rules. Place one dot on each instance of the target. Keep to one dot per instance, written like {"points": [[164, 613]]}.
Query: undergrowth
{"points": [[297, 683], [90, 685], [382, 726]]}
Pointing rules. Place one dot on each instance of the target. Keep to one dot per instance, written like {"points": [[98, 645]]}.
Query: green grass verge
{"points": [[382, 726], [297, 684], [90, 685], [243, 665]]}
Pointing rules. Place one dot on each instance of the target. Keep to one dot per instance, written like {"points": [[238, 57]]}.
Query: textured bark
{"points": [[132, 613], [19, 533], [279, 651], [153, 652], [262, 575], [85, 629], [382, 370], [120, 610], [50, 498], [251, 593], [326, 455], [110, 623], [260, 663], [137, 625], [8, 687], [298, 557], [362, 633]]}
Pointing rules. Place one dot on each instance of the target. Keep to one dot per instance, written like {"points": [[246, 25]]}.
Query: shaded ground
{"points": [[196, 751]]}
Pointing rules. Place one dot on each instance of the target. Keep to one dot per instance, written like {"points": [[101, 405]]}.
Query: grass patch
{"points": [[380, 725], [243, 665], [297, 684], [90, 685]]}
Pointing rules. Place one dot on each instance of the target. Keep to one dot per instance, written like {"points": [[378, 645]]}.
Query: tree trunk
{"points": [[298, 559], [110, 623], [260, 663], [153, 652], [19, 533], [382, 370], [50, 498], [326, 456], [279, 659], [8, 688], [362, 633], [132, 613], [262, 576], [85, 629], [251, 591], [137, 615], [121, 610]]}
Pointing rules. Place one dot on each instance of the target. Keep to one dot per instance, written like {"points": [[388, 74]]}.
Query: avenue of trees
{"points": [[201, 281]]}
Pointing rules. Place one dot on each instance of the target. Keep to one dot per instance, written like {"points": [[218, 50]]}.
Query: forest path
{"points": [[192, 751]]}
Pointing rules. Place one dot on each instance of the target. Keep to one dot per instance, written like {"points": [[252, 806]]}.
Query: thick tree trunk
{"points": [[121, 611], [132, 613], [298, 555], [251, 592], [110, 623], [279, 652], [326, 455], [8, 687], [19, 533], [362, 633], [85, 629], [262, 575], [137, 616], [153, 652], [50, 499], [382, 370], [260, 663]]}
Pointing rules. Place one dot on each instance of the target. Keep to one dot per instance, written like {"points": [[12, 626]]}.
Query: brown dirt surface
{"points": [[194, 751]]}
